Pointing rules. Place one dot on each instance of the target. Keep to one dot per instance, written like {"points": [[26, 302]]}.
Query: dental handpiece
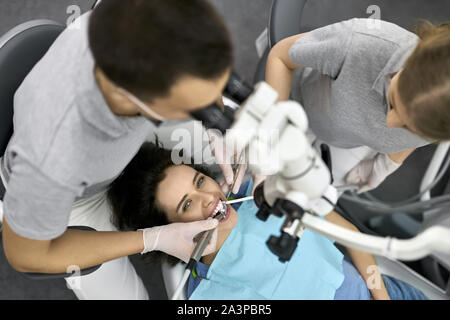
{"points": [[203, 242], [239, 166]]}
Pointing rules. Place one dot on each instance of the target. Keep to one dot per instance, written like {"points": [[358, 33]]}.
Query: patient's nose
{"points": [[208, 199]]}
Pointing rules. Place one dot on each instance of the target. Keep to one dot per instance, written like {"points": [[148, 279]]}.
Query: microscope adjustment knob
{"points": [[283, 246], [258, 195], [263, 212], [284, 207], [264, 208]]}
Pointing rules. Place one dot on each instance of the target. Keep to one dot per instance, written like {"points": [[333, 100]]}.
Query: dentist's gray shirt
{"points": [[67, 144], [343, 87]]}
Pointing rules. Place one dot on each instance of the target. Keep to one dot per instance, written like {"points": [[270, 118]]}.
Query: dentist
{"points": [[82, 114]]}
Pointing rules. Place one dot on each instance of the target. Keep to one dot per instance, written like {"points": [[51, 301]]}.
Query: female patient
{"points": [[153, 191]]}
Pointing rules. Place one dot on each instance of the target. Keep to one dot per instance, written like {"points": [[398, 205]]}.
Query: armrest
{"points": [[172, 276], [402, 272], [49, 276]]}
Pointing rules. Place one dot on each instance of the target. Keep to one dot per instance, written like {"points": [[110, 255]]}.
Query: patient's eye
{"points": [[199, 182], [187, 204]]}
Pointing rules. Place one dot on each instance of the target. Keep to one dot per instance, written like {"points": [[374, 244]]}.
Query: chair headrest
{"points": [[20, 49]]}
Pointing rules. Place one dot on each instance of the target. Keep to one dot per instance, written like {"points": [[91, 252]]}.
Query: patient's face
{"points": [[187, 195]]}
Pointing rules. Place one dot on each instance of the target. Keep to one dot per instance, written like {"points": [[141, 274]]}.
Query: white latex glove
{"points": [[177, 239], [257, 179], [224, 159], [369, 174], [323, 207]]}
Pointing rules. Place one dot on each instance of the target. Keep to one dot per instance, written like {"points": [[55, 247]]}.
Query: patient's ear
{"points": [[160, 207]]}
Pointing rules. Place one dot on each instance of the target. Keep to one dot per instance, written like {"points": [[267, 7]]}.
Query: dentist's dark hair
{"points": [[132, 196], [145, 46]]}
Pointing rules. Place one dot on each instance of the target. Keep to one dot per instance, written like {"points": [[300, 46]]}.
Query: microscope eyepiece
{"points": [[222, 118]]}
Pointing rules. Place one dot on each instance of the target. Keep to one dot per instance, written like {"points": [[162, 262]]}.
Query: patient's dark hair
{"points": [[145, 46], [132, 194]]}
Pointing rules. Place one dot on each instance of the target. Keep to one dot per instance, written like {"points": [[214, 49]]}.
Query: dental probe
{"points": [[239, 200], [239, 166]]}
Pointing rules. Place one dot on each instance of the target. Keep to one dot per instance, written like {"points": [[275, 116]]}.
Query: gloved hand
{"points": [[369, 174], [326, 203], [257, 179], [177, 239], [224, 159]]}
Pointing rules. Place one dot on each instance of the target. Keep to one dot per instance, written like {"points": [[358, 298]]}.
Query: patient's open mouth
{"points": [[223, 213]]}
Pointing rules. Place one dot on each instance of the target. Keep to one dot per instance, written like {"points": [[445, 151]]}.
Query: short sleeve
{"points": [[36, 207], [324, 49]]}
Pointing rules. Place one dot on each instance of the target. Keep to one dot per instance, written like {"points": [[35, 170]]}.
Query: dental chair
{"points": [[20, 49], [291, 17]]}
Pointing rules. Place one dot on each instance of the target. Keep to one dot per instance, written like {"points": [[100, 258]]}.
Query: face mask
{"points": [[141, 105]]}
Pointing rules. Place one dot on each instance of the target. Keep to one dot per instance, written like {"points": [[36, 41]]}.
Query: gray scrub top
{"points": [[67, 144], [343, 85]]}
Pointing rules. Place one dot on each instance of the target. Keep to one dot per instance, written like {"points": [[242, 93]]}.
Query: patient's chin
{"points": [[208, 259]]}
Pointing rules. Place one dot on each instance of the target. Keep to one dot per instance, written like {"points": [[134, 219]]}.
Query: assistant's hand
{"points": [[369, 174], [382, 295], [177, 239]]}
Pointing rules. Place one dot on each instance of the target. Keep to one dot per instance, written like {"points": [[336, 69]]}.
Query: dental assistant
{"points": [[381, 87], [81, 115]]}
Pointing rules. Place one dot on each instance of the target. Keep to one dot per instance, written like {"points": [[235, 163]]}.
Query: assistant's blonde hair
{"points": [[424, 83]]}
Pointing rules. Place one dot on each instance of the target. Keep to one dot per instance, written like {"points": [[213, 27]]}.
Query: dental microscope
{"points": [[298, 187]]}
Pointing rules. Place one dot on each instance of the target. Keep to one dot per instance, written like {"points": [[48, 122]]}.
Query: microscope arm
{"points": [[434, 239], [299, 182]]}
